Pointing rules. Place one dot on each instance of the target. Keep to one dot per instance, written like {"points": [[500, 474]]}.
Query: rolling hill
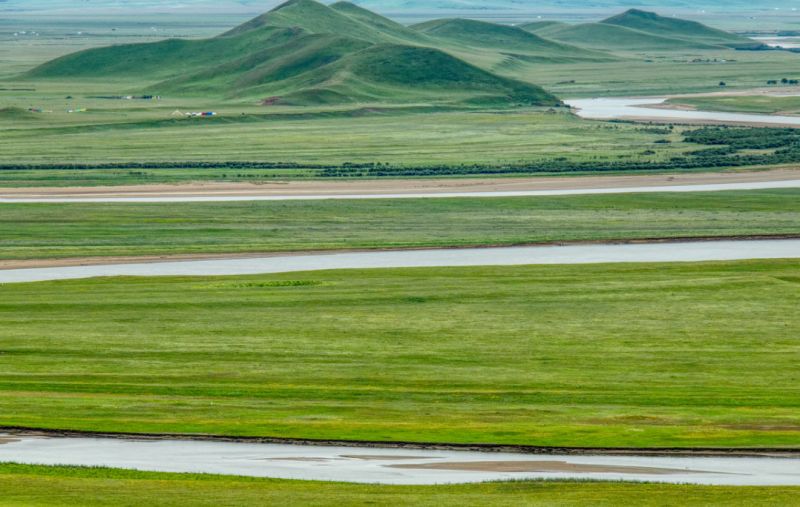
{"points": [[510, 40], [682, 29], [636, 30], [616, 38], [304, 52]]}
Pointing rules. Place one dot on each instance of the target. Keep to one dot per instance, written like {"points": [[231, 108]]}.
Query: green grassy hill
{"points": [[511, 40], [386, 26], [616, 38], [651, 22], [304, 52]]}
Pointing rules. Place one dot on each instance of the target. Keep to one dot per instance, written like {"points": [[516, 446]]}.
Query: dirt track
{"points": [[404, 186]]}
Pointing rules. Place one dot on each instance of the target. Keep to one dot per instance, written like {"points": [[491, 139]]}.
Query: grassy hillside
{"points": [[614, 37], [302, 53], [384, 25], [510, 40], [678, 28]]}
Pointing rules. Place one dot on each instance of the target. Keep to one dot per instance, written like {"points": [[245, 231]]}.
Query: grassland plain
{"points": [[607, 355], [360, 136], [35, 485], [47, 231]]}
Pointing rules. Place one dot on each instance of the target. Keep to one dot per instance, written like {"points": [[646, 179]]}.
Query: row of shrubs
{"points": [[725, 146]]}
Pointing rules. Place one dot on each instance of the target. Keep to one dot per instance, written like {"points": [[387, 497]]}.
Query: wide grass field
{"points": [[48, 231], [653, 355], [34, 486], [334, 137]]}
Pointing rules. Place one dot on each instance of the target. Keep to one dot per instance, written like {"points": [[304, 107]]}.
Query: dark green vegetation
{"points": [[37, 485], [605, 355], [302, 53], [31, 231]]}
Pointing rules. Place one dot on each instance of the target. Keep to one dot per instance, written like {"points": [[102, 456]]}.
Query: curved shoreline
{"points": [[693, 251], [64, 262], [720, 452]]}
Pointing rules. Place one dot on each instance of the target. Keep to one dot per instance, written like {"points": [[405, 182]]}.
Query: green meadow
{"points": [[36, 485], [40, 231], [627, 355]]}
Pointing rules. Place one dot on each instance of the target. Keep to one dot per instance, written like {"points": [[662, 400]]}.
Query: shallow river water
{"points": [[573, 254], [622, 108], [387, 465]]}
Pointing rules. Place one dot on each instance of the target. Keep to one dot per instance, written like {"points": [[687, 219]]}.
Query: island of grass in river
{"points": [[50, 231], [652, 355], [38, 485]]}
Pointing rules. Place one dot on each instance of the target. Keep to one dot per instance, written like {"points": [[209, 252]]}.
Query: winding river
{"points": [[388, 465], [621, 108], [406, 466], [574, 254]]}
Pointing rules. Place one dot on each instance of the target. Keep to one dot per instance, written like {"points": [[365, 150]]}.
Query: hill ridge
{"points": [[305, 52]]}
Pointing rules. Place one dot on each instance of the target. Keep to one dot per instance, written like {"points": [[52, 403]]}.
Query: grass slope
{"points": [[302, 53], [40, 485], [483, 35], [384, 25], [528, 355], [613, 37], [678, 28], [71, 230]]}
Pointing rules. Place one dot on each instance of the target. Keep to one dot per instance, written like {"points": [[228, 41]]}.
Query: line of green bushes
{"points": [[725, 149]]}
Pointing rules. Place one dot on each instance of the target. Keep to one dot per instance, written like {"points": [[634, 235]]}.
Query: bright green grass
{"points": [[41, 486], [605, 355], [745, 104], [74, 230]]}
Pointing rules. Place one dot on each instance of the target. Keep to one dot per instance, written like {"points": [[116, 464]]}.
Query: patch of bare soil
{"points": [[7, 440], [404, 186], [541, 467]]}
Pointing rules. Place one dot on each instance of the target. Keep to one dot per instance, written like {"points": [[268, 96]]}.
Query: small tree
{"points": [[723, 83]]}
